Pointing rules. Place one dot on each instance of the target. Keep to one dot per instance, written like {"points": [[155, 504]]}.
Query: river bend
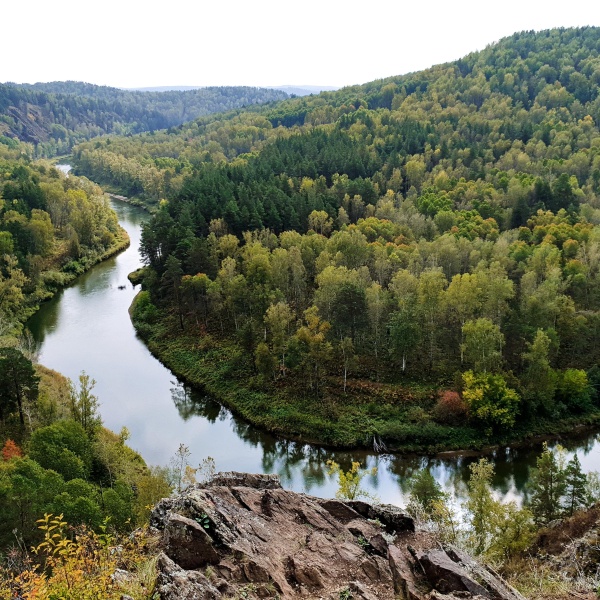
{"points": [[86, 327]]}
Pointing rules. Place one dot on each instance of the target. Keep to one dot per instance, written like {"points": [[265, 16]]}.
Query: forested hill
{"points": [[519, 106], [56, 115], [442, 226]]}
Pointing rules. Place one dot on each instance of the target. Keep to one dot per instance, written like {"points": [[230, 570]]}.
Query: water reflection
{"points": [[87, 327], [302, 466]]}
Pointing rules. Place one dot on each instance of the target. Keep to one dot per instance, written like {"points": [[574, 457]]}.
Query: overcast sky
{"points": [[133, 43]]}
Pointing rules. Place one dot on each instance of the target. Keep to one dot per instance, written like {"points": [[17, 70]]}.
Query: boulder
{"points": [[244, 536], [452, 570], [188, 544]]}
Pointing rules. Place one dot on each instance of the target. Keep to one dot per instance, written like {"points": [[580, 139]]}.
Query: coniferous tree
{"points": [[548, 486], [18, 382], [575, 486]]}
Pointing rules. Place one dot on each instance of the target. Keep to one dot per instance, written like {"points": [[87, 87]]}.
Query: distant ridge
{"points": [[296, 90], [56, 115], [303, 90]]}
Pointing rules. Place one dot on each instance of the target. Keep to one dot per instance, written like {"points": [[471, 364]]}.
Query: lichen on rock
{"points": [[244, 536]]}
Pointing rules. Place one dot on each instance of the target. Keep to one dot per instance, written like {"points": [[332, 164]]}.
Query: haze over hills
{"points": [[56, 115], [296, 90]]}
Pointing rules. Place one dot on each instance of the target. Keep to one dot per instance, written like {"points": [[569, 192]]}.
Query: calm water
{"points": [[86, 327]]}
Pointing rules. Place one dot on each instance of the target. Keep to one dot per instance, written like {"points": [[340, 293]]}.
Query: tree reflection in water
{"points": [[294, 461]]}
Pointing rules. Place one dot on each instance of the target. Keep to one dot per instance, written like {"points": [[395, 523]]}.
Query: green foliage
{"points": [[425, 494], [118, 505], [84, 405], [349, 481], [345, 594], [481, 505], [558, 489], [491, 402], [178, 466], [18, 383], [483, 343], [539, 378], [264, 360], [27, 491], [143, 309], [79, 502], [63, 447], [575, 496], [498, 531], [574, 390], [548, 486]]}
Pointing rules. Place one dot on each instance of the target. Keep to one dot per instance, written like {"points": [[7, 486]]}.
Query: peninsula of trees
{"points": [[331, 263]]}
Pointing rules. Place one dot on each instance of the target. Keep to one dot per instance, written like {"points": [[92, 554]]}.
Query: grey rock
{"points": [[174, 583], [261, 541], [391, 517], [447, 576], [188, 544], [249, 480]]}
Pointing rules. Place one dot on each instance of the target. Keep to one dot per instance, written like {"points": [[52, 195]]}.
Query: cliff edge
{"points": [[243, 536]]}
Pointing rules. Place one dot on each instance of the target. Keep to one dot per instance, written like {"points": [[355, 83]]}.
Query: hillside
{"points": [[510, 107], [56, 115], [409, 263]]}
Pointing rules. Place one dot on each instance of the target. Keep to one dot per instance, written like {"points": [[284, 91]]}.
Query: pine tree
{"points": [[548, 487], [84, 404], [575, 486]]}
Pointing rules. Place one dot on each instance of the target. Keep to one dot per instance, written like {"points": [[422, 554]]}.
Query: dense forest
{"points": [[344, 257], [55, 116], [52, 228], [409, 264]]}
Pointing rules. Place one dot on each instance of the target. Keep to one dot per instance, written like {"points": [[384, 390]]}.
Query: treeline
{"points": [[439, 226], [56, 116], [525, 106], [52, 228]]}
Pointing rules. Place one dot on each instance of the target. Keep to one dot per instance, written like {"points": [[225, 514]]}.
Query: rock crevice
{"points": [[243, 536]]}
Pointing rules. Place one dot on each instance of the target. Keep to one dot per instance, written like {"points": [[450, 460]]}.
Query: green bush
{"points": [[574, 390], [63, 447]]}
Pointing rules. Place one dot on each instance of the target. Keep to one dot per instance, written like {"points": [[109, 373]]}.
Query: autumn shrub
{"points": [[10, 450], [79, 563], [450, 408]]}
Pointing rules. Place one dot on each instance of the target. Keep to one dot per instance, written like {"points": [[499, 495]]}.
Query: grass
{"points": [[400, 415]]}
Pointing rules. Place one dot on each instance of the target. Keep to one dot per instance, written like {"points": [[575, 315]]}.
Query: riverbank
{"points": [[56, 279], [133, 201], [390, 418]]}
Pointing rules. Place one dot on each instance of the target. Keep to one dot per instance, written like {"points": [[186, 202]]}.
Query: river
{"points": [[86, 327]]}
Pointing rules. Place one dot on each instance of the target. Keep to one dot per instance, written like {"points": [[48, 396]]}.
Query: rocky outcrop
{"points": [[243, 536]]}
